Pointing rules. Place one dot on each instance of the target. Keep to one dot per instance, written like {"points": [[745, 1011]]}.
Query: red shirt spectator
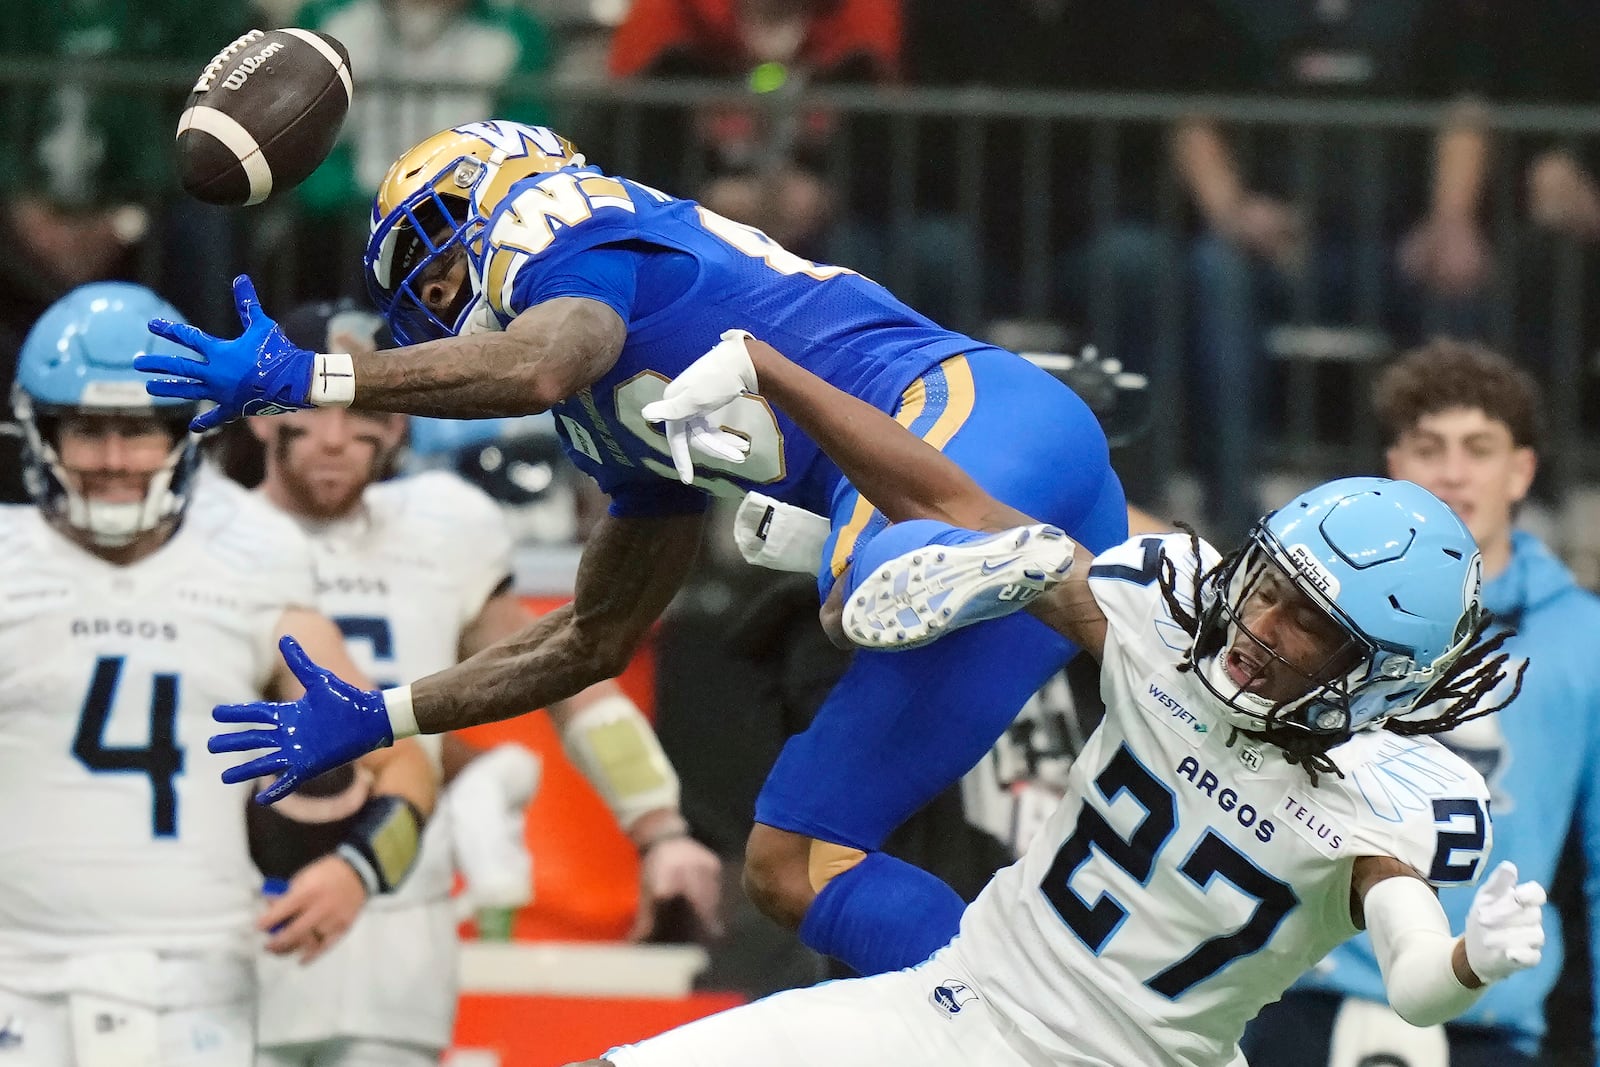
{"points": [[767, 166]]}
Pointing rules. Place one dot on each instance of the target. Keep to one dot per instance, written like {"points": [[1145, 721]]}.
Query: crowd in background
{"points": [[1181, 239], [1176, 241]]}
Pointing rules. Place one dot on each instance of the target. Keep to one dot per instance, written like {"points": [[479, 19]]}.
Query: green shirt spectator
{"points": [[79, 145]]}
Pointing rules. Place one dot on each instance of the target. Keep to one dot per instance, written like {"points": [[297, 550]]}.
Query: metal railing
{"points": [[965, 158]]}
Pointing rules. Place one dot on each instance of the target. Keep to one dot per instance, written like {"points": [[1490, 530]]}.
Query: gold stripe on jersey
{"points": [[960, 396], [957, 408]]}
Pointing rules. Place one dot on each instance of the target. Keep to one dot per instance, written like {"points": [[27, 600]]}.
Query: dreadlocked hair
{"points": [[1478, 672], [1167, 581], [1308, 752]]}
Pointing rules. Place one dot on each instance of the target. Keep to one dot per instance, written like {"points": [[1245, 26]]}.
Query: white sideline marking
{"points": [[577, 969]]}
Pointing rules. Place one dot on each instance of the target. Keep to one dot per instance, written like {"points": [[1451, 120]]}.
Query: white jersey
{"points": [[402, 579], [119, 834], [1190, 875]]}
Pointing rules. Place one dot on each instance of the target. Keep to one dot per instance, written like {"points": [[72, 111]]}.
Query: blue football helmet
{"points": [[1392, 566], [78, 359], [434, 205]]}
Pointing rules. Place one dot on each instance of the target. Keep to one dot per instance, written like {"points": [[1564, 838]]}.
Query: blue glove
{"points": [[260, 372], [332, 724]]}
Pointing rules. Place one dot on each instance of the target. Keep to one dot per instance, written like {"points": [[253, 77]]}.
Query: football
{"points": [[264, 113]]}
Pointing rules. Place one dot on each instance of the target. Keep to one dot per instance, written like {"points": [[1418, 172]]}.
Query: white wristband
{"points": [[402, 718], [333, 380]]}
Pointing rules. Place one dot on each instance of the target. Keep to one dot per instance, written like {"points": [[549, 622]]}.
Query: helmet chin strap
{"points": [[115, 525]]}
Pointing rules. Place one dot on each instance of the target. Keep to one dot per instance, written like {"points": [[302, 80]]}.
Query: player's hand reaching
{"points": [[330, 725], [1505, 929], [690, 403], [260, 372]]}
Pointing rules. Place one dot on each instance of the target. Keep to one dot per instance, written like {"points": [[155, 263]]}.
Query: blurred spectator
{"points": [[1314, 223], [1107, 249], [1463, 422], [769, 160], [86, 169], [400, 52], [1542, 52]]}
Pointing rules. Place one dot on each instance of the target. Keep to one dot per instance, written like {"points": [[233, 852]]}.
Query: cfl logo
{"points": [[1016, 594]]}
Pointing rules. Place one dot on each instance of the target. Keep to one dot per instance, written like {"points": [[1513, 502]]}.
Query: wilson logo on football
{"points": [[222, 59]]}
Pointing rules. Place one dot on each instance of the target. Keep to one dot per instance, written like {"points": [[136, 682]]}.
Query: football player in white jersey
{"points": [[135, 593], [417, 572], [1260, 789]]}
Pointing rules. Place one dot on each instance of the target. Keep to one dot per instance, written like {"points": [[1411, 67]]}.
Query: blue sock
{"points": [[883, 914], [897, 540]]}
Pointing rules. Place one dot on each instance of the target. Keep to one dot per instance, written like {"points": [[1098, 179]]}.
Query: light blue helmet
{"points": [[1393, 566], [78, 358]]}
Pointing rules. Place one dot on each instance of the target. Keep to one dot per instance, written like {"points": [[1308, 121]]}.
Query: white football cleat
{"points": [[918, 597]]}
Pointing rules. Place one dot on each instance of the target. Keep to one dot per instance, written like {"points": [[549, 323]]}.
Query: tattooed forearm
{"points": [[631, 569], [547, 354]]}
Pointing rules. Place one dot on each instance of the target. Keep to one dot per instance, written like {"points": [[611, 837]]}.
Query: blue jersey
{"points": [[680, 275], [1541, 758]]}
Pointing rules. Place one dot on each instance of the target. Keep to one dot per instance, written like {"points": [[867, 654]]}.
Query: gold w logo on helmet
{"points": [[435, 202]]}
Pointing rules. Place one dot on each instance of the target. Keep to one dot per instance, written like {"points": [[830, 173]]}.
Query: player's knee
{"points": [[785, 871], [776, 874]]}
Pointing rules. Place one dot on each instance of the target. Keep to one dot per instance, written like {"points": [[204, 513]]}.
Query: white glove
{"points": [[691, 401], [1505, 933], [488, 802]]}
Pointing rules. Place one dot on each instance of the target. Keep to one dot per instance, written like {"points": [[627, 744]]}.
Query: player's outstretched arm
{"points": [[630, 571], [547, 354], [903, 476], [1430, 976]]}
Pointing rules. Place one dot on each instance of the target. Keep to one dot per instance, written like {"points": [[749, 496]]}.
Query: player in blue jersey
{"points": [[521, 279], [1463, 422], [1263, 785]]}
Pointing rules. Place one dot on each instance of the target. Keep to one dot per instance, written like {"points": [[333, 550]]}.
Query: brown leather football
{"points": [[264, 113]]}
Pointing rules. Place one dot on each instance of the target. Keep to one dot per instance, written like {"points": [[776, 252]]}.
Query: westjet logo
{"points": [[1179, 712]]}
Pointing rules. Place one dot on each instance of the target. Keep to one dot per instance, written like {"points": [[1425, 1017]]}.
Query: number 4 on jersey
{"points": [[161, 760]]}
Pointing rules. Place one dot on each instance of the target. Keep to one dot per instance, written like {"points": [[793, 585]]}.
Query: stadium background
{"points": [[1012, 168]]}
